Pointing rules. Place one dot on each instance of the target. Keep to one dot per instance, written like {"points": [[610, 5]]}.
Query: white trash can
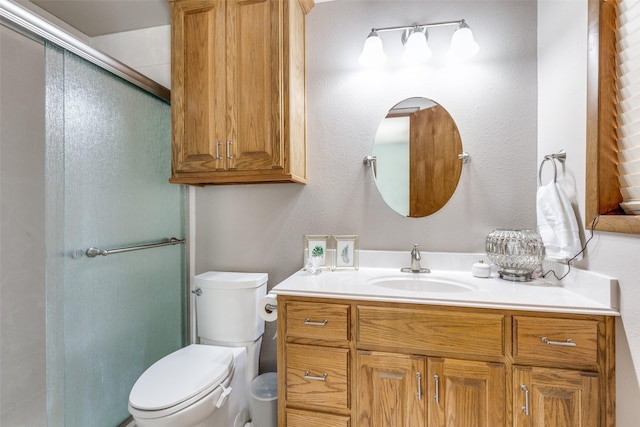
{"points": [[263, 404]]}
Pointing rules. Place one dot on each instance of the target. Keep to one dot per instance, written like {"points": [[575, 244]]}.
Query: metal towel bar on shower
{"points": [[94, 252]]}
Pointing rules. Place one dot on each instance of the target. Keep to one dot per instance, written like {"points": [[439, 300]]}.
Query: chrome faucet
{"points": [[415, 262]]}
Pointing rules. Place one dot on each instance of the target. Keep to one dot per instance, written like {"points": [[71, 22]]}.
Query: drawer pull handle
{"points": [[308, 376], [525, 408], [229, 155], [309, 322], [218, 156], [436, 379], [419, 378], [568, 343]]}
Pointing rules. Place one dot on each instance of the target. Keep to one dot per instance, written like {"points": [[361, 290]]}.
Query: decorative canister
{"points": [[516, 252]]}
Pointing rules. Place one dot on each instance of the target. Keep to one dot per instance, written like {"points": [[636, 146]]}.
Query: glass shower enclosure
{"points": [[121, 312]]}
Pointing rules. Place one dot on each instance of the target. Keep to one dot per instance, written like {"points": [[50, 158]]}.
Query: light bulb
{"points": [[416, 49], [463, 45], [372, 52]]}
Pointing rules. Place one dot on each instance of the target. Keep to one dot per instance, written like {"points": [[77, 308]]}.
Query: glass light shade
{"points": [[372, 53], [416, 49], [463, 45]]}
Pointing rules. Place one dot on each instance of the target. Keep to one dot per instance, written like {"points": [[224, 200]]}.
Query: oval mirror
{"points": [[416, 148]]}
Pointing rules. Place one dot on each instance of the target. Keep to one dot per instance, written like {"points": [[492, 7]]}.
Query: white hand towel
{"points": [[557, 223]]}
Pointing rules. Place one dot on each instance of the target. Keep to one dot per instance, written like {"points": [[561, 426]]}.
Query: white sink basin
{"points": [[422, 283]]}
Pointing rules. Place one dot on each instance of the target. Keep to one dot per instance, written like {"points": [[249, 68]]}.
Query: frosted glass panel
{"points": [[124, 311]]}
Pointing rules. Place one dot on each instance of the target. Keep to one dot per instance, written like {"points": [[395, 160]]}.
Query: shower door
{"points": [[110, 317]]}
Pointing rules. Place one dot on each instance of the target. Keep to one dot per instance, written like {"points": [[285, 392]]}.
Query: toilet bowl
{"points": [[207, 384]]}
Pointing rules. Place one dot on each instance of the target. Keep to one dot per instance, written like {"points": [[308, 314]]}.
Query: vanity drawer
{"points": [[565, 341], [298, 418], [317, 376], [431, 330], [318, 321]]}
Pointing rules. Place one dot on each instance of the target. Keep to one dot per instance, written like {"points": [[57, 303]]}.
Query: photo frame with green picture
{"points": [[316, 248]]}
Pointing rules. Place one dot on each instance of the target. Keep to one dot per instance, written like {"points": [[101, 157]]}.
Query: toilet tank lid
{"points": [[230, 280]]}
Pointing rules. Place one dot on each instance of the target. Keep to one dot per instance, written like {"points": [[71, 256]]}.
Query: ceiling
{"points": [[100, 17]]}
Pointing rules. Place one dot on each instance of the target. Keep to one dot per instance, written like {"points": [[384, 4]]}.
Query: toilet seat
{"points": [[180, 379]]}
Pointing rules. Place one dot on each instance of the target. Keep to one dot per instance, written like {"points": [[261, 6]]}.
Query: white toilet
{"points": [[207, 384]]}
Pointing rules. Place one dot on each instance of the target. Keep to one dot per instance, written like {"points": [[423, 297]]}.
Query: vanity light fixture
{"points": [[414, 38]]}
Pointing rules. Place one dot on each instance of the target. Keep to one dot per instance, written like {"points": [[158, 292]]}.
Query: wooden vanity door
{"points": [[546, 397], [466, 393], [390, 390]]}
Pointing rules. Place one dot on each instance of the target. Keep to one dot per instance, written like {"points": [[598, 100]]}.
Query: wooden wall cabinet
{"points": [[351, 363], [238, 96]]}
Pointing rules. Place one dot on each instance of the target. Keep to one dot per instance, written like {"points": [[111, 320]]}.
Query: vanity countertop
{"points": [[581, 292]]}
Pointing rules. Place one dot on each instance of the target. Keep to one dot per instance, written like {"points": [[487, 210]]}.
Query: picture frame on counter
{"points": [[345, 252], [317, 244]]}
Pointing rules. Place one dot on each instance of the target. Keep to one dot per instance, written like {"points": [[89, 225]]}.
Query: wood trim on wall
{"points": [[602, 187]]}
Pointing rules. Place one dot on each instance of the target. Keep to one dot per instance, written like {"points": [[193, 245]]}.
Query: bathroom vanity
{"points": [[375, 347]]}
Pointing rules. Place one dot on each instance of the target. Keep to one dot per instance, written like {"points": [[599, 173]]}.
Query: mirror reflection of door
{"points": [[417, 146], [434, 166]]}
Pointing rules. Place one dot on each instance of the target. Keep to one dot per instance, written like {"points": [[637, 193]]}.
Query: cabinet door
{"points": [[390, 390], [547, 397], [466, 393], [198, 109], [254, 85]]}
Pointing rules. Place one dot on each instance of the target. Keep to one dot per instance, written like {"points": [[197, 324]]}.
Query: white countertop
{"points": [[581, 292]]}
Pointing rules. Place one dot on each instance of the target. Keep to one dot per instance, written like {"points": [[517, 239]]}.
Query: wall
{"points": [[493, 99], [562, 125], [22, 218]]}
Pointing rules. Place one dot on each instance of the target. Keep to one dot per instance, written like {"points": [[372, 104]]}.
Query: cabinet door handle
{"points": [[308, 376], [311, 323], [419, 378], [229, 155], [436, 397], [218, 156], [568, 343], [525, 408]]}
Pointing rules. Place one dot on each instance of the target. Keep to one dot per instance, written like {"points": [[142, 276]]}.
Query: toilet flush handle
{"points": [[197, 291]]}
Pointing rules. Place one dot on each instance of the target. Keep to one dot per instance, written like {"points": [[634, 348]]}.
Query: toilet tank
{"points": [[227, 307]]}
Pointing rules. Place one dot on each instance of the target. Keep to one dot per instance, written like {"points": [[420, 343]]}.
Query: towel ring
{"points": [[560, 156], [555, 170]]}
